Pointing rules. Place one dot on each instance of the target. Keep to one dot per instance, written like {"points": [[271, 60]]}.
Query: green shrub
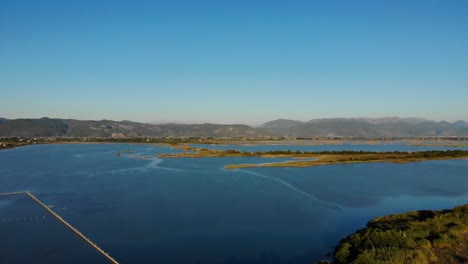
{"points": [[405, 238]]}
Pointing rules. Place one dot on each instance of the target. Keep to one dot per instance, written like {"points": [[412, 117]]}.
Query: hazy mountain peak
{"points": [[375, 127], [393, 120], [281, 124], [460, 123], [443, 122]]}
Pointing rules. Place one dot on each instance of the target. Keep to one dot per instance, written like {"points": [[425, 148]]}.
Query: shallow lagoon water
{"points": [[194, 211]]}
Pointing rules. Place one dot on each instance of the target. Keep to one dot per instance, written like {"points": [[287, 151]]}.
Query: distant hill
{"points": [[332, 127], [371, 127], [461, 123], [281, 125], [107, 128], [391, 120], [33, 127]]}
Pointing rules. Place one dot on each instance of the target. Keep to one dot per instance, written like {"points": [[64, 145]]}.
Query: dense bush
{"points": [[405, 238]]}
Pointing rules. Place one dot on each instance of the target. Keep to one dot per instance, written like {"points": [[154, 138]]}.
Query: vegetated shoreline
{"points": [[5, 144], [320, 158], [420, 237], [350, 158], [180, 142]]}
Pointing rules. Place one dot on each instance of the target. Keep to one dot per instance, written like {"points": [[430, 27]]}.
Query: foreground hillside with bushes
{"points": [[418, 237]]}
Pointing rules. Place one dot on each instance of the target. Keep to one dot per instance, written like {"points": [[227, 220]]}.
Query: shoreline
{"points": [[12, 142], [320, 162]]}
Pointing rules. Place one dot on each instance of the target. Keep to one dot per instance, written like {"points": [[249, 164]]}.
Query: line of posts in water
{"points": [[94, 245], [24, 219], [47, 208]]}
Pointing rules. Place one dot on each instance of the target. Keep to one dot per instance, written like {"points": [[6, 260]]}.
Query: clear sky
{"points": [[238, 61]]}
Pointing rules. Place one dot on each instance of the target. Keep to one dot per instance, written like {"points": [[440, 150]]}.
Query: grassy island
{"points": [[348, 157], [307, 159], [419, 237]]}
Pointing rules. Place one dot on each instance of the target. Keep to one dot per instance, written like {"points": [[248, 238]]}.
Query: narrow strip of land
{"points": [[357, 157], [307, 159], [87, 240]]}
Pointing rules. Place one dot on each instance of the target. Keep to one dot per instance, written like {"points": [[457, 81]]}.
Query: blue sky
{"points": [[233, 61]]}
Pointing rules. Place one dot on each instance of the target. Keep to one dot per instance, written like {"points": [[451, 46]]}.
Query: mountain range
{"points": [[330, 127]]}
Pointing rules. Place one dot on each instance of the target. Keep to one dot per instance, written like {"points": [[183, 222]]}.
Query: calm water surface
{"points": [[194, 211]]}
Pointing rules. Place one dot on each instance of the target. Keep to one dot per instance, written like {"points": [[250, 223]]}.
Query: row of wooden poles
{"points": [[22, 219], [87, 240]]}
